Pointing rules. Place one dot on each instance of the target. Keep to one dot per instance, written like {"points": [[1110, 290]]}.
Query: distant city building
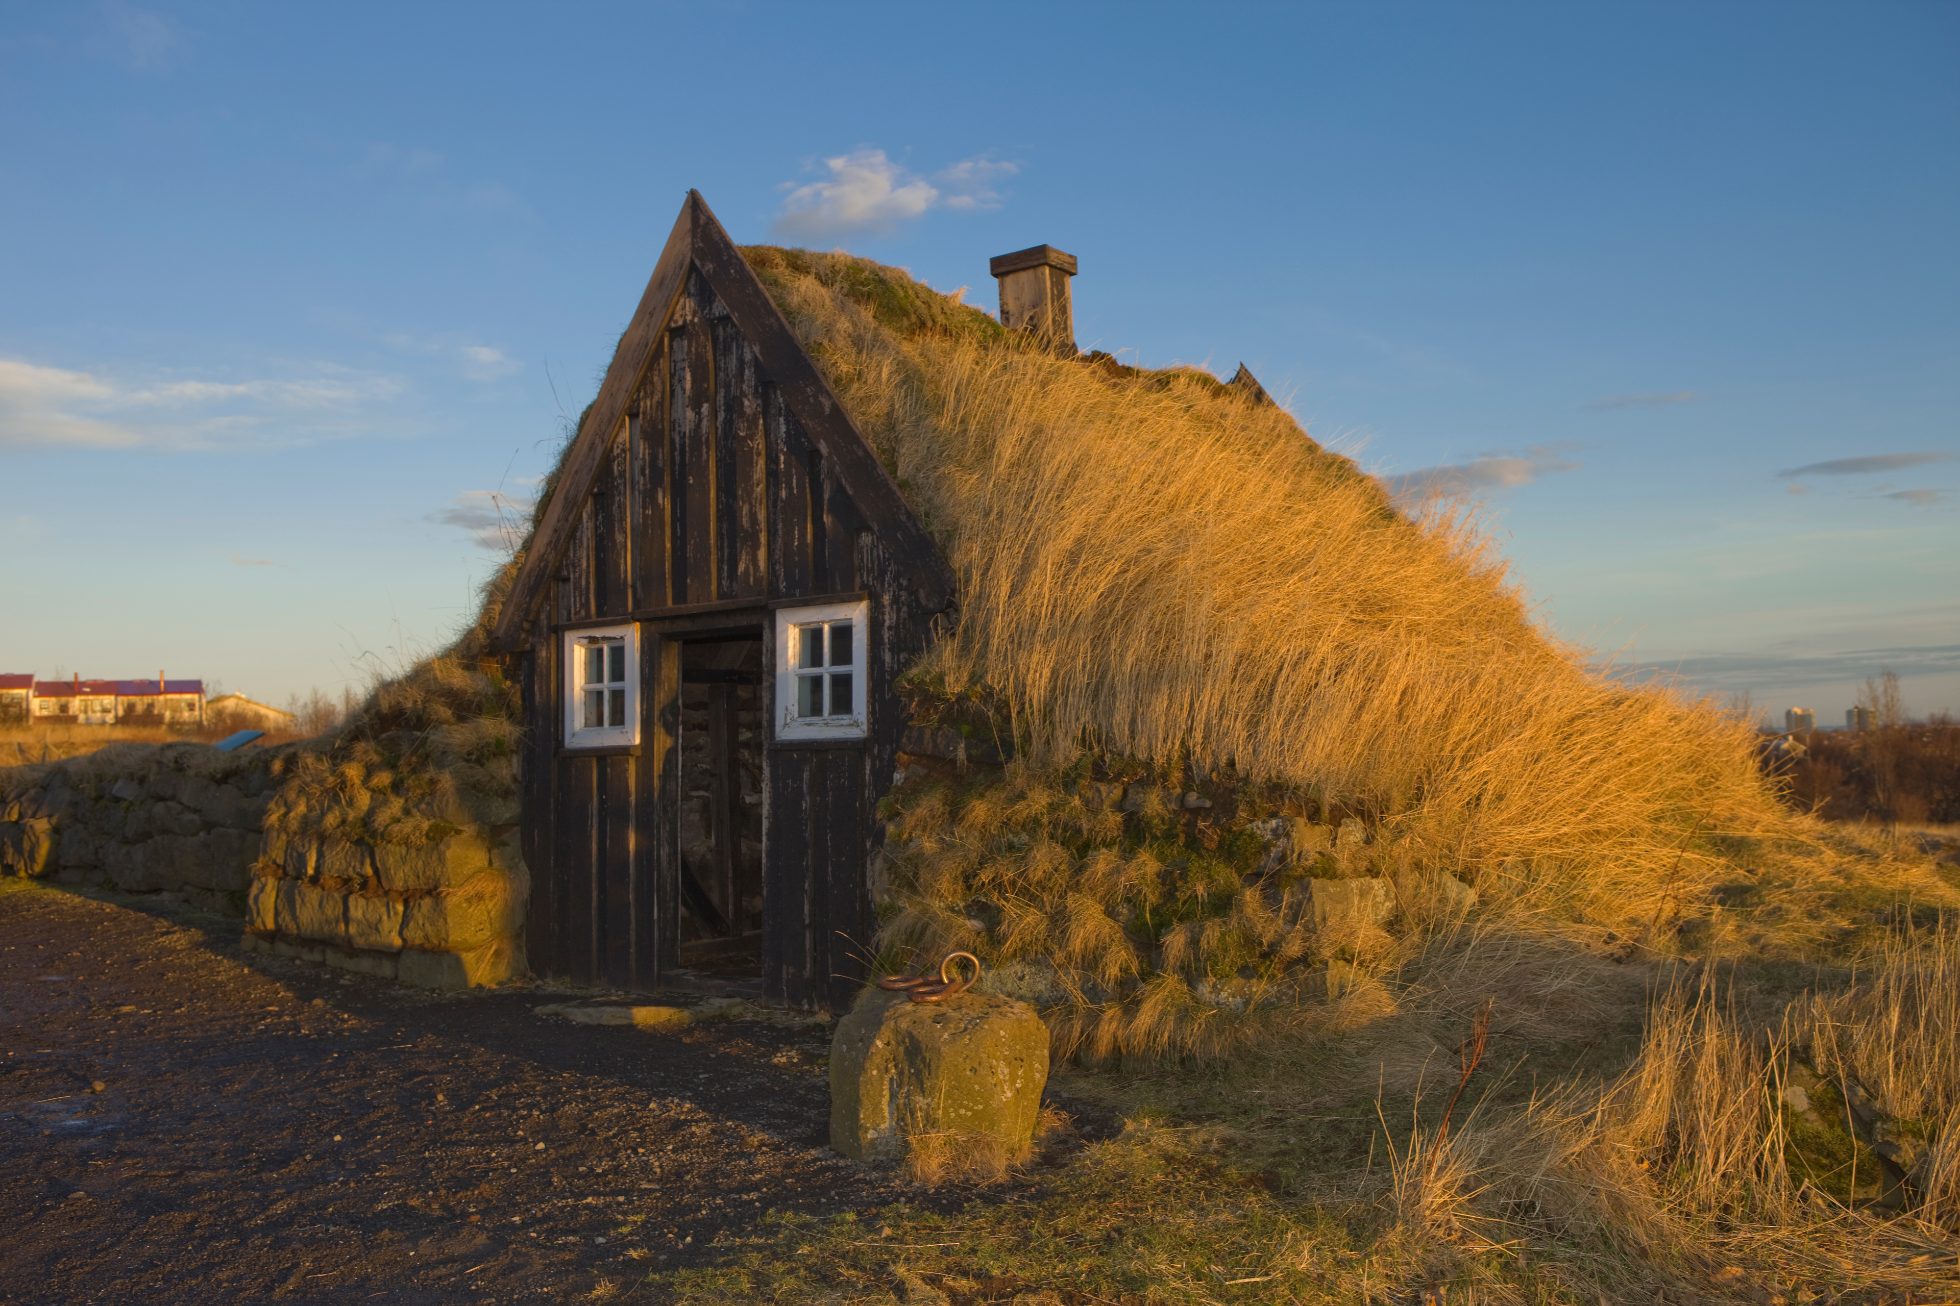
{"points": [[16, 697], [76, 701], [242, 713], [160, 702], [1858, 718], [1799, 720]]}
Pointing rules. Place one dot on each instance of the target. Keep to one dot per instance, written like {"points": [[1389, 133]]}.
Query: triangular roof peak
{"points": [[698, 241]]}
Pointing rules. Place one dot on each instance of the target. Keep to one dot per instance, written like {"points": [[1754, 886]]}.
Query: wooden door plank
{"points": [[540, 743], [791, 560], [620, 908], [702, 471]]}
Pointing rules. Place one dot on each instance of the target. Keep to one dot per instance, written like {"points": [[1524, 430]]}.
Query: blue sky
{"points": [[288, 294]]}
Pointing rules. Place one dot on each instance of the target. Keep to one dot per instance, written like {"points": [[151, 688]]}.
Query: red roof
{"points": [[17, 682], [141, 688], [66, 689]]}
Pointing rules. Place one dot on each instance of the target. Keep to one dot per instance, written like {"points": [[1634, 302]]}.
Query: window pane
{"points": [[618, 668], [593, 709], [595, 663], [809, 696], [840, 693], [809, 646], [617, 715], [840, 644]]}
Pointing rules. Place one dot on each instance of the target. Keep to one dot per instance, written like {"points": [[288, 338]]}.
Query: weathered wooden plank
{"points": [[578, 565], [742, 543], [842, 523], [581, 463], [659, 833], [755, 608], [792, 569], [725, 798], [807, 395], [701, 461], [612, 533], [540, 740], [679, 363], [647, 438], [620, 906], [565, 853], [846, 917], [572, 864], [785, 863]]}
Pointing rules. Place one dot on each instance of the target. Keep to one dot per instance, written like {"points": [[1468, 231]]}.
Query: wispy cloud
{"points": [[1767, 670], [42, 405], [493, 518], [477, 362], [1920, 498], [1655, 400], [867, 193], [1867, 464], [140, 39], [1494, 471]]}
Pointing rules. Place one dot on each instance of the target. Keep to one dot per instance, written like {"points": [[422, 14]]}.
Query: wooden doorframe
{"points": [[749, 621]]}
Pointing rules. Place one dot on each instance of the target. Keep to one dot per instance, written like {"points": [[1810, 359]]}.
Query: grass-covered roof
{"points": [[1158, 565]]}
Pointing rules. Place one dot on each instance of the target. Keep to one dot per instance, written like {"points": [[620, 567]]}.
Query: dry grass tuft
{"points": [[1684, 1175]]}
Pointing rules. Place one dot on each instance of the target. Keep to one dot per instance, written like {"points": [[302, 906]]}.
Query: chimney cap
{"points": [[1036, 256]]}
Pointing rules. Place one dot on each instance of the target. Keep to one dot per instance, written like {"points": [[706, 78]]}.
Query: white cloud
{"points": [[494, 519], [1496, 471], [41, 405], [477, 362], [865, 192], [1918, 498], [486, 363]]}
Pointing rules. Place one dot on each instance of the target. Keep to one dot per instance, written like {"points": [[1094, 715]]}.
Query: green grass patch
{"points": [[1153, 1215]]}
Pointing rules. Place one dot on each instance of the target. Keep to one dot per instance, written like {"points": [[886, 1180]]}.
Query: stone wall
{"points": [[385, 857], [436, 905], [431, 895], [141, 818]]}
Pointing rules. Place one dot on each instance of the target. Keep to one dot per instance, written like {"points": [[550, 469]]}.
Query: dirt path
{"points": [[182, 1122]]}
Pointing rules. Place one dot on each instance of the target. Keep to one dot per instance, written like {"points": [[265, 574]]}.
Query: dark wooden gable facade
{"points": [[715, 480]]}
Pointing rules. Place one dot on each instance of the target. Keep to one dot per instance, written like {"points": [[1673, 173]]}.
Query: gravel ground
{"points": [[182, 1121]]}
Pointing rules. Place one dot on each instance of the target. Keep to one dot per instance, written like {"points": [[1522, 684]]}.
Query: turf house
{"points": [[855, 619]]}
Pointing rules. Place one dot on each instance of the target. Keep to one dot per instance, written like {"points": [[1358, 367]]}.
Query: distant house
{"points": [[16, 697], [242, 713], [75, 701], [1858, 718], [160, 702], [1799, 720]]}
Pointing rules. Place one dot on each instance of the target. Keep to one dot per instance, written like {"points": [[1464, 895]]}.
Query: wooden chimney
{"points": [[1034, 294]]}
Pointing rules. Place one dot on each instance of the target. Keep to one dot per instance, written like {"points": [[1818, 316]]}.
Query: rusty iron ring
{"points": [[948, 984], [924, 988]]}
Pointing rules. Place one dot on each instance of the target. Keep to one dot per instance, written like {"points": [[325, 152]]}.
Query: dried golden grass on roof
{"points": [[1157, 565]]}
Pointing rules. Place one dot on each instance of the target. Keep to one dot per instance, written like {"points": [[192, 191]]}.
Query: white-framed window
{"points": [[602, 686], [820, 671]]}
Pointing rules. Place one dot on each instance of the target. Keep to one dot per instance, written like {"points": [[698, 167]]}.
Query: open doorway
{"points": [[720, 791]]}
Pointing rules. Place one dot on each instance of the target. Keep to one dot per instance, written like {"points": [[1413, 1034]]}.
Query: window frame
{"points": [[577, 737], [790, 727]]}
